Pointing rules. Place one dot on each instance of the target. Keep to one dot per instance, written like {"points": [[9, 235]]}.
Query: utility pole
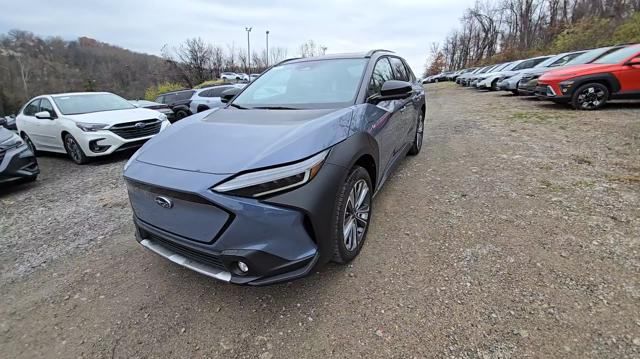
{"points": [[267, 48], [248, 29]]}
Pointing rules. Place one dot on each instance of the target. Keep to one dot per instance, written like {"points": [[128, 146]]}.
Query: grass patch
{"points": [[625, 178], [529, 117], [582, 160]]}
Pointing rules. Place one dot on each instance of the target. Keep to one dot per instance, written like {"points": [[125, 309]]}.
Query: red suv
{"points": [[590, 86]]}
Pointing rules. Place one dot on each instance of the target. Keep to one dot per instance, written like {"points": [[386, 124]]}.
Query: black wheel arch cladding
{"points": [[317, 199], [606, 79]]}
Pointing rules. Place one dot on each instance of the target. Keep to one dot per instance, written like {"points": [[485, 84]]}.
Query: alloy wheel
{"points": [[30, 144], [73, 149], [356, 215], [591, 98], [420, 131]]}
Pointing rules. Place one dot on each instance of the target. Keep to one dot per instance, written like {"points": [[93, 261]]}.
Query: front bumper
{"points": [[279, 238], [510, 84], [17, 163], [547, 92], [106, 142]]}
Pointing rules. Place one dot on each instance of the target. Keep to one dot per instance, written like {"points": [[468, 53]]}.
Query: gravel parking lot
{"points": [[515, 233]]}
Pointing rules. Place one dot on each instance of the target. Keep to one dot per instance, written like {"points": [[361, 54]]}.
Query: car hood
{"points": [[115, 117], [228, 140], [584, 69], [5, 134]]}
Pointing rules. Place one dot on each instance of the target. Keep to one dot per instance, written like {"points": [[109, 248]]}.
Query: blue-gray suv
{"points": [[281, 179]]}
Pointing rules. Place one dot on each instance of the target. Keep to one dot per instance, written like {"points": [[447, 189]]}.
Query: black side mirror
{"points": [[394, 90], [634, 61], [229, 94]]}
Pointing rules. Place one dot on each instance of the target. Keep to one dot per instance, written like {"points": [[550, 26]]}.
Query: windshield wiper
{"points": [[237, 106], [274, 108]]}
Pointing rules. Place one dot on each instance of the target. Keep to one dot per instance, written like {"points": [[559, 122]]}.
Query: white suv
{"points": [[85, 125], [209, 98], [232, 76]]}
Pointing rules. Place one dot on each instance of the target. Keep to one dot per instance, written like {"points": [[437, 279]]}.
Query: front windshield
{"points": [[307, 84], [618, 56], [79, 104], [590, 56]]}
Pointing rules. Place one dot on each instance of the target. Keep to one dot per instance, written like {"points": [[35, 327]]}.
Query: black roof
{"points": [[352, 55]]}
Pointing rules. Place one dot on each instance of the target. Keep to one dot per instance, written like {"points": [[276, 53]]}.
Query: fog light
{"points": [[243, 267]]}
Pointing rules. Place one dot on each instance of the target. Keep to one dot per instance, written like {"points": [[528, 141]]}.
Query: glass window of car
{"points": [[400, 72], [305, 84], [382, 72], [619, 56], [527, 64], [184, 95], [88, 103], [160, 99], [32, 108], [45, 105], [214, 92], [565, 59]]}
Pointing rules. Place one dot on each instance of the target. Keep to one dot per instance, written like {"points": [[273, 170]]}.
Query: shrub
{"points": [[587, 33], [629, 31], [154, 91], [209, 83]]}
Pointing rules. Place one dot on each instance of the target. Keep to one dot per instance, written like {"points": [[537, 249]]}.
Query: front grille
{"points": [[187, 252], [137, 129]]}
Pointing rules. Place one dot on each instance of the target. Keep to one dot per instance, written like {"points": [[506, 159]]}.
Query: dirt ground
{"points": [[515, 233]]}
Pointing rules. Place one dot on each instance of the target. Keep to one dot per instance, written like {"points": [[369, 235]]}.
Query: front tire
{"points": [[30, 144], [417, 139], [74, 150], [590, 97], [352, 215], [180, 114]]}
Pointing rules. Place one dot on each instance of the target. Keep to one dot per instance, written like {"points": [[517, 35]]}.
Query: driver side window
{"points": [[382, 72], [45, 105]]}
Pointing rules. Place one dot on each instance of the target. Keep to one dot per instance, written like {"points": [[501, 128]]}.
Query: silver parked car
{"points": [[210, 97]]}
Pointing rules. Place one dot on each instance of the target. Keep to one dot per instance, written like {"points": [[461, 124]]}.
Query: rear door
{"points": [[29, 123]]}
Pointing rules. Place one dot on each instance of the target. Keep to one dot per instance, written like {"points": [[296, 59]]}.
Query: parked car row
{"points": [[188, 102], [585, 79]]}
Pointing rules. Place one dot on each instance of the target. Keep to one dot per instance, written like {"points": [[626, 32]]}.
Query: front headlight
{"points": [[269, 181], [90, 127], [11, 142]]}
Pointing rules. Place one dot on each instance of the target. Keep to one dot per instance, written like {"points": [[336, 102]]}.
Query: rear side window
{"points": [[32, 108], [160, 99], [180, 96], [382, 72], [399, 71], [214, 92]]}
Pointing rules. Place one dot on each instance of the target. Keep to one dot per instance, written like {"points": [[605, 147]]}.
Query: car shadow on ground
{"points": [[611, 106]]}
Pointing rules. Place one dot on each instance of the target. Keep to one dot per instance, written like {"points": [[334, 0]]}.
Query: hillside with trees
{"points": [[504, 30], [31, 65]]}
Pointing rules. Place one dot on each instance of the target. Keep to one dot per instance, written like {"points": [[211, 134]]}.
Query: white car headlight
{"points": [[90, 127], [269, 181]]}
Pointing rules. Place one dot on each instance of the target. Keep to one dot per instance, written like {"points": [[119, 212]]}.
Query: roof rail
{"points": [[370, 53]]}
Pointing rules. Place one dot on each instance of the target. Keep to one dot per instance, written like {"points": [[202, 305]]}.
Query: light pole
{"points": [[267, 48], [248, 50]]}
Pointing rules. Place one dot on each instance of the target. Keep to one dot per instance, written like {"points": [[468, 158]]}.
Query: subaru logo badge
{"points": [[164, 202], [141, 125]]}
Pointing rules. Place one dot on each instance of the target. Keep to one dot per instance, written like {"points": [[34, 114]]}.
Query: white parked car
{"points": [[231, 76], [253, 77], [86, 125], [209, 98]]}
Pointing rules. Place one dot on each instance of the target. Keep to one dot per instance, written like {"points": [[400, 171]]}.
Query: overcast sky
{"points": [[407, 27]]}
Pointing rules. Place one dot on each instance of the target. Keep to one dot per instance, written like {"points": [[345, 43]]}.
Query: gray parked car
{"points": [[282, 179], [210, 97]]}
